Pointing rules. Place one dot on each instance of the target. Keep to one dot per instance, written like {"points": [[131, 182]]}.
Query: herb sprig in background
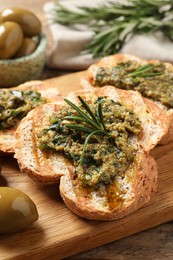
{"points": [[115, 23]]}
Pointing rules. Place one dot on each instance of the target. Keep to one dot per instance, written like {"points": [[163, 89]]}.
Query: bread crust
{"points": [[111, 61], [41, 166], [50, 93], [142, 183], [140, 179]]}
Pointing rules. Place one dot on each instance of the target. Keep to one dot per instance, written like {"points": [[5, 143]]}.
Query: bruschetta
{"points": [[96, 143], [15, 103], [153, 79]]}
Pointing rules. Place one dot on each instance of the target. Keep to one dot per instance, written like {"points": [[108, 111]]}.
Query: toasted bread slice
{"points": [[112, 61], [155, 124], [49, 93], [41, 166], [124, 195]]}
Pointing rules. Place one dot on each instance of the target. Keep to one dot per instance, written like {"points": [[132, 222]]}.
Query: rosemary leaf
{"points": [[75, 118], [87, 108], [85, 144], [114, 22], [96, 121], [101, 116], [80, 128], [81, 113], [141, 69], [147, 75], [145, 71]]}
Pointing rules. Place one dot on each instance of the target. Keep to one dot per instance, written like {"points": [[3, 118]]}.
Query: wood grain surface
{"points": [[59, 233]]}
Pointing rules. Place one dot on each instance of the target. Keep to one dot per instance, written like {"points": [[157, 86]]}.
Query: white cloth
{"points": [[67, 43]]}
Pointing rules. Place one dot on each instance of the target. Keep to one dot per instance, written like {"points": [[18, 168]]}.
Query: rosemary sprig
{"points": [[94, 124], [145, 71], [114, 23]]}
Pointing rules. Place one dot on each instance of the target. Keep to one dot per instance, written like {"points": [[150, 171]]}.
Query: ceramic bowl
{"points": [[16, 71]]}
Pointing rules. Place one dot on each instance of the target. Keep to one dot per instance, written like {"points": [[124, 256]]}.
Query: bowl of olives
{"points": [[22, 47]]}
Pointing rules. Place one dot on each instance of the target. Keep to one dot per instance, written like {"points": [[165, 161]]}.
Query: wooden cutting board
{"points": [[59, 233]]}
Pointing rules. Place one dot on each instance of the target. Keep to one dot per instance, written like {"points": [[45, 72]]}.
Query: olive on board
{"points": [[11, 37], [29, 22], [17, 210], [28, 46]]}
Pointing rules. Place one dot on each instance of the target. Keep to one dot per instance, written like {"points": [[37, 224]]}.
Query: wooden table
{"points": [[156, 243]]}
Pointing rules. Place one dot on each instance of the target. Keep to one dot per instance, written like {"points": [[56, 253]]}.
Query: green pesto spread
{"points": [[156, 84], [106, 156], [15, 104]]}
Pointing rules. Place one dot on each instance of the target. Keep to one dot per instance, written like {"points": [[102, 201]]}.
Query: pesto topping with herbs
{"points": [[152, 81], [15, 104], [108, 152]]}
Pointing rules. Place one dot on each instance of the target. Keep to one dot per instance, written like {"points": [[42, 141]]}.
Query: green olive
{"points": [[11, 37], [17, 210], [29, 22], [28, 46]]}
